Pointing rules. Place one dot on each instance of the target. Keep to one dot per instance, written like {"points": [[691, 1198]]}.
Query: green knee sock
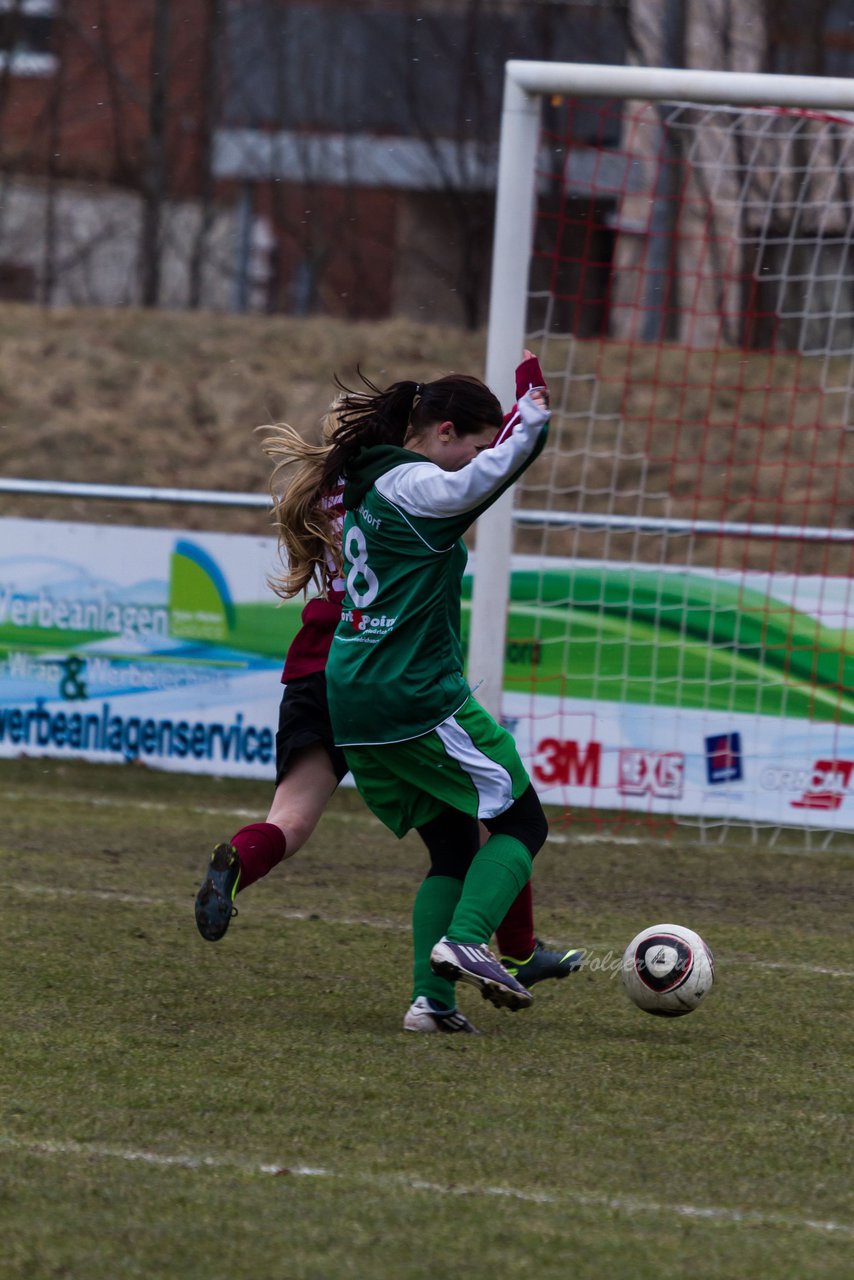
{"points": [[432, 910], [500, 870]]}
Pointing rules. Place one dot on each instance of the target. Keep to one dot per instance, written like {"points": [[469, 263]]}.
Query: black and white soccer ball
{"points": [[667, 970]]}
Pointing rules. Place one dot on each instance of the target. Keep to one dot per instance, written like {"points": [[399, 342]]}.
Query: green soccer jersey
{"points": [[395, 669]]}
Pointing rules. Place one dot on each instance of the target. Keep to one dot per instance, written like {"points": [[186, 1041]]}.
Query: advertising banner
{"points": [[702, 692], [120, 644], [662, 690]]}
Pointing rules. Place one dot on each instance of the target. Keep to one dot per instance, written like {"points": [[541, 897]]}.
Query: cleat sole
{"points": [[495, 992]]}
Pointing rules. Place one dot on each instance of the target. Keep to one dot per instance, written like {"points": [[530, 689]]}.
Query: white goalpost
{"points": [[663, 610]]}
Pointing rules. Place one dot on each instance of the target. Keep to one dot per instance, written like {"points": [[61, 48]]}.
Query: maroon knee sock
{"points": [[261, 846], [515, 934]]}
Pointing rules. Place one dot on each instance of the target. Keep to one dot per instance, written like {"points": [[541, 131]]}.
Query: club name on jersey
{"points": [[369, 517], [361, 621]]}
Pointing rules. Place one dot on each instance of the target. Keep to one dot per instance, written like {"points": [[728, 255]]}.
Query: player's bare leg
{"points": [[301, 797]]}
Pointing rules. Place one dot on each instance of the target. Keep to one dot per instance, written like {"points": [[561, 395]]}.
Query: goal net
{"points": [[678, 566]]}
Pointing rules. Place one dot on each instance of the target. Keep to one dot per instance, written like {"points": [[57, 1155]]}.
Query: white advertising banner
{"points": [[121, 644], [655, 690], [657, 760]]}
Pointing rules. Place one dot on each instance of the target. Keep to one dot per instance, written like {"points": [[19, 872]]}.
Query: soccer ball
{"points": [[667, 970]]}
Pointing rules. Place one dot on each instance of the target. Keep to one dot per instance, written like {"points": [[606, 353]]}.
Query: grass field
{"points": [[252, 1109]]}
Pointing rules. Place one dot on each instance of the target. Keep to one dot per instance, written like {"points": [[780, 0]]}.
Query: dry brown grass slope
{"points": [[172, 398]]}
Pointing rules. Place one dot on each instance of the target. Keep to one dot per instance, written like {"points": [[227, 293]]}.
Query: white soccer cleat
{"points": [[422, 1015]]}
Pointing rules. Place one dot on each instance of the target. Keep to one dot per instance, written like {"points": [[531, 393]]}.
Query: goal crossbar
{"points": [[719, 88]]}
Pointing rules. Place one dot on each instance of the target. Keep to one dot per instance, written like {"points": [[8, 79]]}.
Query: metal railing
{"points": [[133, 493], [521, 515]]}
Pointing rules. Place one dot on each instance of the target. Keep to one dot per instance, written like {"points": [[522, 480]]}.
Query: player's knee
{"points": [[525, 821], [452, 842], [453, 862]]}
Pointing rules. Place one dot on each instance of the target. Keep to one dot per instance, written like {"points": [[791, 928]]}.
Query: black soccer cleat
{"points": [[215, 900], [542, 964]]}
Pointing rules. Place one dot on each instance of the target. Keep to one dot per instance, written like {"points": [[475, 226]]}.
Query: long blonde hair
{"points": [[306, 526]]}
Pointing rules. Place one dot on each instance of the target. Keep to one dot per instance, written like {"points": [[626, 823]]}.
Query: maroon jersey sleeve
{"points": [[310, 647]]}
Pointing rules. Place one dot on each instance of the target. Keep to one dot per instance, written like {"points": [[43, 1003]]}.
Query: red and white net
{"points": [[681, 629]]}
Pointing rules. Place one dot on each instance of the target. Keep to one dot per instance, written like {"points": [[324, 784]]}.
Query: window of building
{"points": [[26, 31]]}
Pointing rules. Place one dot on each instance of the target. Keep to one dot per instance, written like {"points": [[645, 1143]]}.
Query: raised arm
{"points": [[426, 491]]}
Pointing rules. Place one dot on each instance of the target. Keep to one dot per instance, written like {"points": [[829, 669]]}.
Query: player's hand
{"points": [[534, 407], [541, 392]]}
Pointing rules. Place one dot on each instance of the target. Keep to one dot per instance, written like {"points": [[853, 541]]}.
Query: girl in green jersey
{"points": [[308, 764], [423, 752]]}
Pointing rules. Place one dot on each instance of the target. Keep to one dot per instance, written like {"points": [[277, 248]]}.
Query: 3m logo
{"points": [[655, 773], [723, 758], [829, 785], [566, 763]]}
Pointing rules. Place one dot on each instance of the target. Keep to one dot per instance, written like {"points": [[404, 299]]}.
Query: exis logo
{"points": [[656, 773]]}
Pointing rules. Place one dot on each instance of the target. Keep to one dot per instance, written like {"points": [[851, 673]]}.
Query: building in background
{"points": [[327, 156], [728, 214], [301, 157], [368, 134]]}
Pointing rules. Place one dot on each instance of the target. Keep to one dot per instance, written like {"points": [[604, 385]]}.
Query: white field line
{"points": [[603, 956], [120, 802], [177, 806], [396, 1182], [797, 968], [588, 837], [136, 899], [256, 815]]}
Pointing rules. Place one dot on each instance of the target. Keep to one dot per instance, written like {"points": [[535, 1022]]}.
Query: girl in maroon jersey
{"points": [[309, 767]]}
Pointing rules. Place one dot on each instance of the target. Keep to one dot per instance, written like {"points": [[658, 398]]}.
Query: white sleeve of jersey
{"points": [[424, 489]]}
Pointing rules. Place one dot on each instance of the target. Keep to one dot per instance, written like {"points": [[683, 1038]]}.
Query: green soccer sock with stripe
{"points": [[432, 911], [497, 874]]}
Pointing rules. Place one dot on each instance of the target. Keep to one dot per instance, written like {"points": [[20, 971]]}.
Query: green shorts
{"points": [[468, 763]]}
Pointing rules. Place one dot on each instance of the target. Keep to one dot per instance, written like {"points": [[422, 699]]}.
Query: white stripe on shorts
{"points": [[491, 781]]}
